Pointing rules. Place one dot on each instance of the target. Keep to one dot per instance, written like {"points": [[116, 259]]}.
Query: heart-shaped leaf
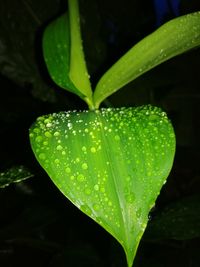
{"points": [[111, 164]]}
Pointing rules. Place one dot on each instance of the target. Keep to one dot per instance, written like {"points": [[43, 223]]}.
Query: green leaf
{"points": [[171, 39], [179, 220], [110, 163], [78, 69], [63, 54], [14, 175], [56, 51]]}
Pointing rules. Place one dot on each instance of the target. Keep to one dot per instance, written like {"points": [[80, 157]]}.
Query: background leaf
{"points": [[110, 163], [179, 220], [171, 39], [14, 175], [20, 22]]}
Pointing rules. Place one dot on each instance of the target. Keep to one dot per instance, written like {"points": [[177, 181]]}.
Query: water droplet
{"points": [[45, 143], [67, 170], [138, 213], [56, 134], [130, 198], [128, 178], [36, 130], [96, 207], [48, 125], [84, 166], [77, 160], [38, 139], [59, 147], [87, 191], [48, 134], [96, 187], [84, 149], [56, 161], [81, 178], [102, 190], [42, 156], [93, 149]]}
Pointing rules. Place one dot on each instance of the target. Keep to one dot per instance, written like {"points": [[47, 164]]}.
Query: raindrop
{"points": [[38, 139], [48, 134], [59, 147], [96, 207], [130, 198], [84, 149], [45, 143], [138, 213], [42, 156], [84, 166], [96, 187], [56, 134], [93, 149], [81, 178], [67, 170], [87, 191], [56, 161]]}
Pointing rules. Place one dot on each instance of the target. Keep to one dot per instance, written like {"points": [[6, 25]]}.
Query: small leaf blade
{"points": [[171, 39], [56, 51], [111, 164]]}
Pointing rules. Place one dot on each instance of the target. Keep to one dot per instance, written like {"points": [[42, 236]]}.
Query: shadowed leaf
{"points": [[179, 220], [14, 175]]}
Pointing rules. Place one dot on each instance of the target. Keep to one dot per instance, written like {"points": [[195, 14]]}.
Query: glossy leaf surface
{"points": [[171, 39], [110, 163]]}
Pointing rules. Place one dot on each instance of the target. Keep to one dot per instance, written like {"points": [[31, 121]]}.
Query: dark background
{"points": [[38, 225]]}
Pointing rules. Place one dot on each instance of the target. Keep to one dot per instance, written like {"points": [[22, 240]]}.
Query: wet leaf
{"points": [[171, 39], [14, 175], [110, 163], [179, 220]]}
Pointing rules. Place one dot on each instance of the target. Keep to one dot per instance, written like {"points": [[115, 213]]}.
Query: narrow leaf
{"points": [[78, 69], [171, 39], [14, 175], [110, 163]]}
